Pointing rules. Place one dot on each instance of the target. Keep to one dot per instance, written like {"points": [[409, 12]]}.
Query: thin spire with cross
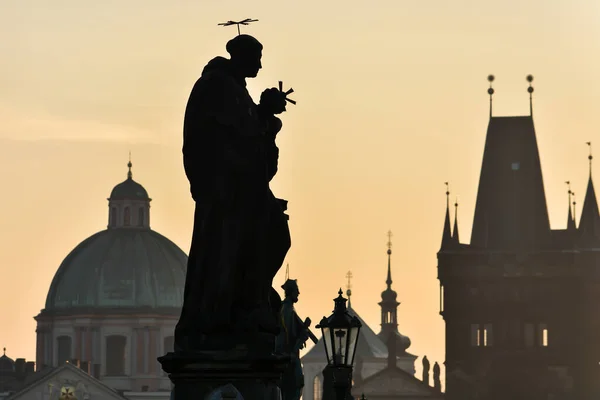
{"points": [[349, 286], [389, 253], [590, 157], [238, 23]]}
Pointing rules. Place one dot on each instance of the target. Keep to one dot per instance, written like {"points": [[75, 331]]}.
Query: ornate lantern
{"points": [[340, 334]]}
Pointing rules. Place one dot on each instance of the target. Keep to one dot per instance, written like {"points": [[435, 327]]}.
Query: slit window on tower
{"points": [[127, 216], [543, 335]]}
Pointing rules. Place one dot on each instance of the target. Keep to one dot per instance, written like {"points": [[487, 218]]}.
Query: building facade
{"points": [[113, 304], [519, 301]]}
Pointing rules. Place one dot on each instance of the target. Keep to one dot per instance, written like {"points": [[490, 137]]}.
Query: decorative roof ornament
{"points": [[590, 157], [349, 286], [490, 91], [530, 90], [238, 23], [129, 165]]}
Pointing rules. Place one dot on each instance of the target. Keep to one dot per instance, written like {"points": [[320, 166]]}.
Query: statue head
{"points": [[246, 53], [291, 290]]}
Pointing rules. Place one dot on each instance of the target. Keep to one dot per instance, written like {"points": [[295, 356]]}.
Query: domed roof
{"points": [[129, 189], [120, 269], [7, 364]]}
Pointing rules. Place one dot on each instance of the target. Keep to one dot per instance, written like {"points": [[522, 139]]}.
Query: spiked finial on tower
{"points": [[490, 79], [530, 90], [129, 165], [389, 253], [447, 233], [455, 237], [590, 157], [570, 219]]}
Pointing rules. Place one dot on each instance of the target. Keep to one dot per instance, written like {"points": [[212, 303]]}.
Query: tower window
{"points": [[481, 335], [543, 335], [115, 355], [113, 216], [64, 344], [127, 217], [141, 217]]}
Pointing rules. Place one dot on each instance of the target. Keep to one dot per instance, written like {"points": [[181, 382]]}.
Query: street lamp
{"points": [[340, 336]]}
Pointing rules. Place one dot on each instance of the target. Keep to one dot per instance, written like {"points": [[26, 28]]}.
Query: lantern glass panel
{"points": [[328, 344], [341, 339], [352, 344]]}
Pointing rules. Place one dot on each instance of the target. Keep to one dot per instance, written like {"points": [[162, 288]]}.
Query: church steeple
{"points": [[389, 308], [455, 237], [589, 224], [447, 233]]}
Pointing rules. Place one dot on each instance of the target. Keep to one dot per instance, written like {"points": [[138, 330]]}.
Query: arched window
{"points": [[64, 344], [113, 216], [141, 217], [317, 388], [115, 355], [127, 217]]}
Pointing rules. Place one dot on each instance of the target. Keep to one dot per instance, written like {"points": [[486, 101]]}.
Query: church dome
{"points": [[127, 266], [7, 364], [120, 268]]}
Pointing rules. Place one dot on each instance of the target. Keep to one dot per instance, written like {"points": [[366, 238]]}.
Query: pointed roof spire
{"points": [[349, 287], [455, 237], [129, 165], [589, 223], [530, 90], [447, 234], [570, 219], [574, 208], [490, 91], [388, 281]]}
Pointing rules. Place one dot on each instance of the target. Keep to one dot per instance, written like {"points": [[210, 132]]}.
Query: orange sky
{"points": [[391, 103]]}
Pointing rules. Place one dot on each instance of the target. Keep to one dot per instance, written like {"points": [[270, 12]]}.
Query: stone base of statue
{"points": [[239, 373]]}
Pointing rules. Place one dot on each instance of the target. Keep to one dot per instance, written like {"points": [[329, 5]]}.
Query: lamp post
{"points": [[340, 336]]}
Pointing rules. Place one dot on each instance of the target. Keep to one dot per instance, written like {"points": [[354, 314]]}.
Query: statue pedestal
{"points": [[200, 375]]}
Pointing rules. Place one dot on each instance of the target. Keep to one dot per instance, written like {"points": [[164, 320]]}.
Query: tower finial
{"points": [[590, 157], [349, 287], [389, 253], [4, 350], [574, 206], [129, 165], [530, 90], [490, 91]]}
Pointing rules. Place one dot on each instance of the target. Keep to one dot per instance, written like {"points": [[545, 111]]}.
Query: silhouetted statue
{"points": [[241, 235], [426, 370], [291, 340], [436, 377]]}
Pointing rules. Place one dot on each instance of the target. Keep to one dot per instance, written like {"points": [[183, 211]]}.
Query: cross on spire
{"points": [[349, 286], [389, 243], [238, 23], [129, 165]]}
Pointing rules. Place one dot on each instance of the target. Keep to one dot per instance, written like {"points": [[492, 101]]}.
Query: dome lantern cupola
{"points": [[129, 204]]}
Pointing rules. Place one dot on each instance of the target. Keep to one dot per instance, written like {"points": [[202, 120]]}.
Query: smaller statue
{"points": [[426, 370], [436, 377], [291, 340]]}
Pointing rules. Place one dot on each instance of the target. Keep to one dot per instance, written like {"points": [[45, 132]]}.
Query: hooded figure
{"points": [[241, 235]]}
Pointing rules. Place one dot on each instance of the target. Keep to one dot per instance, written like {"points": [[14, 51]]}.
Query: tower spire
{"points": [[447, 234], [388, 281], [490, 79], [349, 287], [530, 90], [574, 208], [455, 237], [129, 165], [570, 219]]}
